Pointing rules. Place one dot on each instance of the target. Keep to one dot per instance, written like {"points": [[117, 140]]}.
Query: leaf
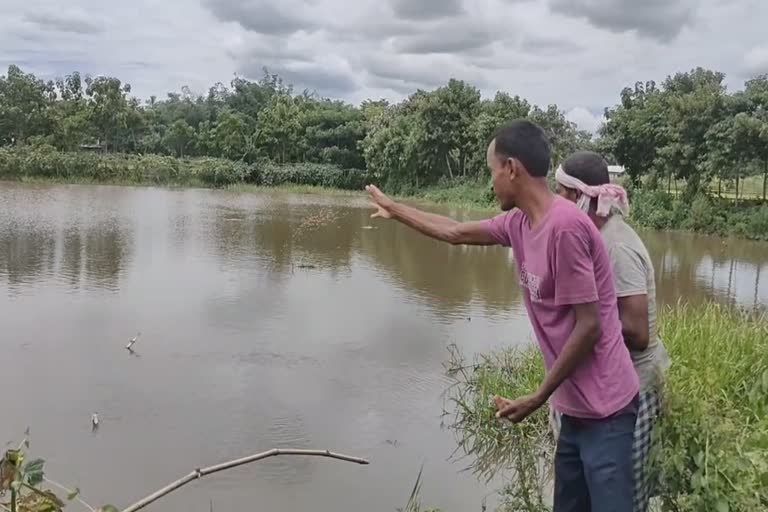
{"points": [[107, 508], [74, 494], [33, 472], [722, 506]]}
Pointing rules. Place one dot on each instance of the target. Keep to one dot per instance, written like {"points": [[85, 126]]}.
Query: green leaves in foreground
{"points": [[520, 454], [33, 472]]}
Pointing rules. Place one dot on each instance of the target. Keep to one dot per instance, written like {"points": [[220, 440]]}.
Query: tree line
{"points": [[687, 128]]}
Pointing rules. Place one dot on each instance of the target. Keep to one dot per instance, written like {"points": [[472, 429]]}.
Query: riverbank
{"points": [[650, 208], [713, 434]]}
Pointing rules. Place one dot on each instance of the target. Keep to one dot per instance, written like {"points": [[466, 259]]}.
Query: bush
{"points": [[317, 175], [44, 161], [712, 439]]}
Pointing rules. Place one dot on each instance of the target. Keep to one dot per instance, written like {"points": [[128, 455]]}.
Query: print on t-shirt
{"points": [[531, 282]]}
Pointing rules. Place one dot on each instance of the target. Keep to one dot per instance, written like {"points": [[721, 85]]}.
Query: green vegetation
{"points": [[695, 154], [712, 439], [45, 162]]}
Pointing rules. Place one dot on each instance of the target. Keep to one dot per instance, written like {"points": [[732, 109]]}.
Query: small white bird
{"points": [[132, 342], [94, 421]]}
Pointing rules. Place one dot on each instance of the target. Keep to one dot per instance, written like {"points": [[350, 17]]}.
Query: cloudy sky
{"points": [[576, 53]]}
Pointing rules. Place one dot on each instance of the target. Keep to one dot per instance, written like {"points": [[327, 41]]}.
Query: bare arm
{"points": [[585, 335], [633, 311], [442, 228], [435, 226]]}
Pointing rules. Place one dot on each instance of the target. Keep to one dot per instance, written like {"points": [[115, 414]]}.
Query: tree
{"points": [[279, 127], [108, 107], [24, 106], [180, 137]]}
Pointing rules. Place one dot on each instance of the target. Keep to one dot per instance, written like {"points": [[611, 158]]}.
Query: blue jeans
{"points": [[593, 463]]}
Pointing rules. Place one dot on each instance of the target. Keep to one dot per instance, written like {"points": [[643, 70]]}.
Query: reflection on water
{"points": [[267, 320]]}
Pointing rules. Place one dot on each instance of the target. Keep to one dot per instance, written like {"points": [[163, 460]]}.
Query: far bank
{"points": [[651, 208]]}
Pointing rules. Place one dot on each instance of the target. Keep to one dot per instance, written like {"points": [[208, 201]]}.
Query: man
{"points": [[583, 179], [563, 267]]}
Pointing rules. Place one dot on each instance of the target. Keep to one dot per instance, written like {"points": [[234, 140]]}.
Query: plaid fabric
{"points": [[648, 412]]}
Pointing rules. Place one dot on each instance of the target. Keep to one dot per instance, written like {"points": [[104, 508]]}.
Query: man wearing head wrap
{"points": [[583, 179]]}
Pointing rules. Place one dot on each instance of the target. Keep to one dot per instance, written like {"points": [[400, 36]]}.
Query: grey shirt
{"points": [[633, 275]]}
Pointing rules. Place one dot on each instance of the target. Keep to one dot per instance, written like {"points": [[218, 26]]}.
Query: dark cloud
{"points": [[261, 16], [657, 19], [444, 41], [422, 10], [544, 45], [64, 23]]}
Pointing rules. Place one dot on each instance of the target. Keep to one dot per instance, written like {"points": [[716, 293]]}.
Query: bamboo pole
{"points": [[199, 473]]}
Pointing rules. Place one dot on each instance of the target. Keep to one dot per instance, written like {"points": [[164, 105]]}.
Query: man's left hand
{"points": [[517, 410]]}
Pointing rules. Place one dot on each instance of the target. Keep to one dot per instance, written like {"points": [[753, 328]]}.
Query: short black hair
{"points": [[588, 167], [526, 142]]}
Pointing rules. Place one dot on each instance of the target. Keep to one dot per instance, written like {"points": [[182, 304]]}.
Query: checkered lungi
{"points": [[647, 414]]}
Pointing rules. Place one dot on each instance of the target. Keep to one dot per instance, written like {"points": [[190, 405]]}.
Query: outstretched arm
{"points": [[435, 226]]}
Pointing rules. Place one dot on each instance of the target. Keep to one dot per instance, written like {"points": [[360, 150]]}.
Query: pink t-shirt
{"points": [[564, 261]]}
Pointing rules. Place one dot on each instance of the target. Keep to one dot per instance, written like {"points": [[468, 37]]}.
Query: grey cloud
{"points": [[421, 73], [444, 41], [426, 9], [317, 77], [69, 23], [657, 19], [544, 45], [261, 16]]}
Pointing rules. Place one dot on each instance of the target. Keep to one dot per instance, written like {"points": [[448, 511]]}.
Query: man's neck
{"points": [[537, 203], [600, 222]]}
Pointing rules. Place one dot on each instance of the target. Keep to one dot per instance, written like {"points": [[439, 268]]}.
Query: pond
{"points": [[267, 320]]}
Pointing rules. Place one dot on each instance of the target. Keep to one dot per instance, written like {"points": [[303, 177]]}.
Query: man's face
{"points": [[567, 193], [503, 174]]}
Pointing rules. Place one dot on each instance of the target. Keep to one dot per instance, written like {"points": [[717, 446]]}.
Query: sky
{"points": [[578, 54]]}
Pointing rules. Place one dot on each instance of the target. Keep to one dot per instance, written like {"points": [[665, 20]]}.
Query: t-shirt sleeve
{"points": [[498, 228], [574, 269], [629, 271]]}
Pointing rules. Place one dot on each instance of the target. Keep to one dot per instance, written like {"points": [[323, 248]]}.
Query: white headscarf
{"points": [[608, 196]]}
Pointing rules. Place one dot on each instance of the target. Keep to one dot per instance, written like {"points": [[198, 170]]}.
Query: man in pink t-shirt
{"points": [[565, 272]]}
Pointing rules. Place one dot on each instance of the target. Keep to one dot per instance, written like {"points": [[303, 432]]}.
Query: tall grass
{"points": [[713, 447], [712, 444], [518, 453]]}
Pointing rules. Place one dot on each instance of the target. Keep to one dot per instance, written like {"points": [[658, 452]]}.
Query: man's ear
{"points": [[515, 168]]}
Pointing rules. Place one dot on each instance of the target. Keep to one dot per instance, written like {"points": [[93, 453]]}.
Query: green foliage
{"points": [[714, 430], [33, 472], [658, 210], [520, 454], [711, 440], [46, 162], [316, 175]]}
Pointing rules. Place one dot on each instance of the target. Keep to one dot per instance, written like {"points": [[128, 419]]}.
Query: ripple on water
{"points": [[287, 432]]}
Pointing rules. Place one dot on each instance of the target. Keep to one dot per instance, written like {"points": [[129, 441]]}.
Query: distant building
{"points": [[616, 171]]}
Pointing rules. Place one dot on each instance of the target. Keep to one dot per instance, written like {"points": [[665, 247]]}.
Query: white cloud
{"points": [[585, 119], [756, 61], [578, 54]]}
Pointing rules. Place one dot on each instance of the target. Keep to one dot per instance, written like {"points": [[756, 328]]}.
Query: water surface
{"points": [[267, 321]]}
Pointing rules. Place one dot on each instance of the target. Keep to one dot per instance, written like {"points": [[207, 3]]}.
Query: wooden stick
{"points": [[199, 473]]}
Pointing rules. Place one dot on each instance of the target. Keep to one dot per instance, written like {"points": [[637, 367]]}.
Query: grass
{"points": [[712, 439]]}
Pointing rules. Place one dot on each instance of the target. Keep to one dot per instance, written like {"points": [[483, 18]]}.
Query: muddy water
{"points": [[267, 321]]}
